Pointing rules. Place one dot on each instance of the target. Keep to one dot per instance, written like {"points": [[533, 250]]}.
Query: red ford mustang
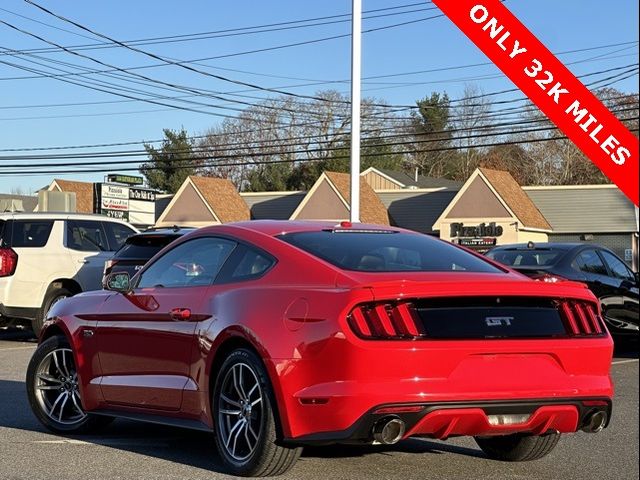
{"points": [[276, 335]]}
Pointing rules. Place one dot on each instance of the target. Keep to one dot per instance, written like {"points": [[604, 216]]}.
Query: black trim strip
{"points": [[360, 431], [157, 419]]}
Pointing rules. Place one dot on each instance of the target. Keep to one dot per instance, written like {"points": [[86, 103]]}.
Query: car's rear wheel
{"points": [[245, 419], [52, 388], [518, 447]]}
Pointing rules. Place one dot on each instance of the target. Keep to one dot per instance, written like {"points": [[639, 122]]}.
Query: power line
{"points": [[190, 89], [314, 139], [181, 98], [143, 77], [491, 115], [267, 153], [320, 82], [202, 72], [289, 45], [225, 32], [273, 162], [124, 95]]}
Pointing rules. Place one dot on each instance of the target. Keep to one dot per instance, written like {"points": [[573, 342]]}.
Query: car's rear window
{"points": [[144, 246], [29, 233], [387, 251], [533, 257]]}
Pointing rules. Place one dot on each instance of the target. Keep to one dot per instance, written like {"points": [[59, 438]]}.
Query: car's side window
{"points": [[617, 267], [246, 263], [86, 236], [589, 262], [117, 234], [192, 263], [30, 233]]}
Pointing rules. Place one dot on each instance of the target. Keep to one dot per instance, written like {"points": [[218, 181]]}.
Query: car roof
{"points": [[545, 245], [165, 231], [281, 227], [57, 216]]}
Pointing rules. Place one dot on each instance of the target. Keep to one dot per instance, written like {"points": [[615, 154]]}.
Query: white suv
{"points": [[45, 257]]}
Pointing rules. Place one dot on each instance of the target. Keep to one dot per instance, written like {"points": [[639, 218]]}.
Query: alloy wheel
{"points": [[56, 387], [240, 411]]}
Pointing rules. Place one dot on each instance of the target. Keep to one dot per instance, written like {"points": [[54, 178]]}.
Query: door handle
{"points": [[180, 314], [84, 260]]}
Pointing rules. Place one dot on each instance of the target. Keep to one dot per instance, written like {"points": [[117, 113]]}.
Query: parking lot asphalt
{"points": [[128, 450]]}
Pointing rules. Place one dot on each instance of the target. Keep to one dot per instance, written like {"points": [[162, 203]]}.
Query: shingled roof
{"points": [[515, 198], [204, 201], [404, 180], [83, 191], [372, 210], [223, 198]]}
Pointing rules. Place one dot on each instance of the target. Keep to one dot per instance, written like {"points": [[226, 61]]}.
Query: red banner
{"points": [[551, 86]]}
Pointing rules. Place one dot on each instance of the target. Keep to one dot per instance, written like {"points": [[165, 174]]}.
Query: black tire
{"points": [[52, 296], [269, 457], [518, 448], [38, 396]]}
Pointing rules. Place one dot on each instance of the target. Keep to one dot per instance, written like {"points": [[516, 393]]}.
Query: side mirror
{"points": [[117, 282]]}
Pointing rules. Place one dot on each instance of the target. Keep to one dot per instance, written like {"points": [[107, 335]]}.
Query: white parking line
{"points": [[620, 362], [110, 442], [17, 348], [65, 441]]}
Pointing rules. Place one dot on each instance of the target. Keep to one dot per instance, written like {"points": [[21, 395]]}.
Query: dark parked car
{"points": [[138, 249], [607, 276]]}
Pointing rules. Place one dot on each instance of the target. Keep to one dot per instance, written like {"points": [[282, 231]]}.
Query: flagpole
{"points": [[356, 62]]}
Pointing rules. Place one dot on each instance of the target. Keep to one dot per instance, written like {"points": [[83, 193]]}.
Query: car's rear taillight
{"points": [[8, 262], [385, 321], [581, 318]]}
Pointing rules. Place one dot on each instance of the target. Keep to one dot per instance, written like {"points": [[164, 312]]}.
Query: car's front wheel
{"points": [[52, 388], [518, 447], [245, 419], [53, 296]]}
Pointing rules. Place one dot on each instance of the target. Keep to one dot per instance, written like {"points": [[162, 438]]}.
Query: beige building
{"points": [[204, 201], [491, 209], [381, 179], [329, 199]]}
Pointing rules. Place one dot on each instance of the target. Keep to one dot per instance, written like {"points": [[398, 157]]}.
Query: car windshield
{"points": [[527, 258], [387, 251], [144, 246]]}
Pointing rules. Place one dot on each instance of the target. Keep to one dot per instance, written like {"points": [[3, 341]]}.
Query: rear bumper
{"points": [[444, 420], [337, 382]]}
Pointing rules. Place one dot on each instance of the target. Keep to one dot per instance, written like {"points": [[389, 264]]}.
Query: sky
{"points": [[34, 112]]}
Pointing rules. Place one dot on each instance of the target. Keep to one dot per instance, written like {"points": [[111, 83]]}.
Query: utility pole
{"points": [[356, 62]]}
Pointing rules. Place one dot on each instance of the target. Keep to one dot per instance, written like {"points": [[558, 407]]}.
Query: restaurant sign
{"points": [[132, 204], [459, 230]]}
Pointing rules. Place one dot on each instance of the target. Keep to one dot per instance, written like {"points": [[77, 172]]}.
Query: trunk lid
{"points": [[475, 306]]}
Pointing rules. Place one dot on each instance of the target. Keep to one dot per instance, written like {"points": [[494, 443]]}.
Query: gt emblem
{"points": [[498, 321]]}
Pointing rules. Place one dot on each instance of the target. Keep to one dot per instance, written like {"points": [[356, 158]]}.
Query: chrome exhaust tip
{"points": [[389, 430], [595, 422]]}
